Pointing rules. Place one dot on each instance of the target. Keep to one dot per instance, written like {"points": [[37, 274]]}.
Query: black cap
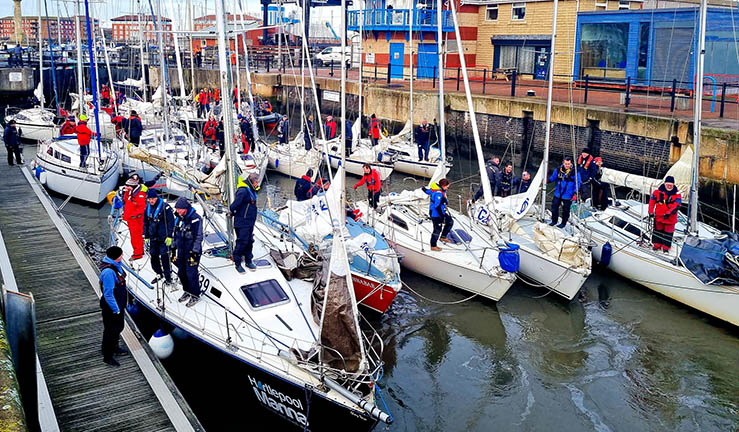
{"points": [[152, 193], [114, 252], [182, 203], [670, 179]]}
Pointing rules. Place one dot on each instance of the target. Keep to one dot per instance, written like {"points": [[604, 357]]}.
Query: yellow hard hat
{"points": [[83, 117]]}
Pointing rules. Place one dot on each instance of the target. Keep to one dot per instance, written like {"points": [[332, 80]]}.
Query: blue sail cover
{"points": [[713, 261]]}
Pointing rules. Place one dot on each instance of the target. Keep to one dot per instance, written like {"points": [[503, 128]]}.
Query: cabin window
{"points": [[397, 220], [50, 151], [626, 226], [491, 13], [518, 12], [65, 158], [264, 293]]}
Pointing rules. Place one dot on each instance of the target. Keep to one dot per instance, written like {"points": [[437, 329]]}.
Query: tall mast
{"points": [[141, 52], [697, 110], [411, 16], [439, 35], [180, 75], [110, 72], [342, 170], [162, 66], [93, 76], [303, 120], [548, 124], [362, 5], [252, 108], [237, 36], [80, 62], [224, 66], [40, 55], [192, 52], [51, 53], [487, 192]]}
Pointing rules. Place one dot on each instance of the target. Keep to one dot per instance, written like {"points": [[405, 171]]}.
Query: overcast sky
{"points": [[111, 8]]}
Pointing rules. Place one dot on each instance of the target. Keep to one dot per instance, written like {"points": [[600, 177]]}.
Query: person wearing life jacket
{"points": [[308, 133], [321, 185], [374, 130], [244, 212], [247, 133], [567, 183], [348, 140], [303, 186], [585, 166], [268, 107], [105, 95], [374, 186], [506, 180], [209, 131], [217, 96], [118, 121], [134, 128], [521, 184], [235, 98], [283, 130], [599, 188], [188, 247], [112, 303], [423, 139], [663, 207], [221, 136], [68, 126], [84, 136], [330, 128], [204, 103], [134, 207], [158, 232], [493, 171], [438, 212]]}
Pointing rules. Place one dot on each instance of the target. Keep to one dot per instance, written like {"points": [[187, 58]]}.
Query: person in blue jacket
{"points": [[112, 303], [158, 232], [567, 183], [348, 141], [438, 212], [282, 130], [521, 184], [11, 138], [308, 131], [134, 128], [303, 186], [244, 211], [188, 246]]}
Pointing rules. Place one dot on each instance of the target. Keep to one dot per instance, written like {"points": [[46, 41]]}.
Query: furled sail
{"points": [[518, 205], [681, 170]]}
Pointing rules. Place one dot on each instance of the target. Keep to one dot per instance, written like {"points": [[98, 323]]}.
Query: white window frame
{"points": [[601, 4], [624, 4], [492, 7], [515, 6]]}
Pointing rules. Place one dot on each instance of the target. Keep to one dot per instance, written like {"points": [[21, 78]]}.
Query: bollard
{"points": [[375, 72], [723, 98], [331, 71], [434, 82], [484, 76], [587, 85], [269, 60], [389, 67], [514, 75], [628, 92], [458, 71], [672, 95]]}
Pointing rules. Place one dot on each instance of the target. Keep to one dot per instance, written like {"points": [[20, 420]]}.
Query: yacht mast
{"points": [[80, 61], [548, 124], [93, 77], [440, 70], [697, 110], [411, 16], [224, 67], [141, 53], [40, 56]]}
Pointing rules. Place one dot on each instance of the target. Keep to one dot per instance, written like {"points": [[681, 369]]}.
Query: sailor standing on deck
{"points": [[438, 212], [282, 130], [663, 207], [84, 136], [12, 143], [303, 186], [423, 137], [374, 185], [113, 302], [134, 206], [158, 232], [188, 246], [134, 127], [244, 212]]}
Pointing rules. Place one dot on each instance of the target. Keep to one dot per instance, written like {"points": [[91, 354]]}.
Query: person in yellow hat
{"points": [[84, 135]]}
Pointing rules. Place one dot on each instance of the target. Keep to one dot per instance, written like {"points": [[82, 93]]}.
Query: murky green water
{"points": [[620, 359]]}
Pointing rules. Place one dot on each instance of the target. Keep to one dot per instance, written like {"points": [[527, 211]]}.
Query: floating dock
{"points": [[40, 254]]}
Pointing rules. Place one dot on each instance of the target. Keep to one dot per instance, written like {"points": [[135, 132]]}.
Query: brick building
{"points": [[207, 24], [126, 28], [61, 28]]}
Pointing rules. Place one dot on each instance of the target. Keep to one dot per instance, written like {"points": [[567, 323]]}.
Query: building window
{"points": [[518, 12], [603, 50], [624, 4], [491, 13]]}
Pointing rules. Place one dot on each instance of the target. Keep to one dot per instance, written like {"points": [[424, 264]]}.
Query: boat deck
{"points": [[46, 260]]}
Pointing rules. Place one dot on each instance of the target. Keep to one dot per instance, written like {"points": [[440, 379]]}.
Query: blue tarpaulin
{"points": [[713, 261]]}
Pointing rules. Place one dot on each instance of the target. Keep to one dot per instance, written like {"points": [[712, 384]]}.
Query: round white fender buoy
{"points": [[42, 177], [161, 344], [179, 334]]}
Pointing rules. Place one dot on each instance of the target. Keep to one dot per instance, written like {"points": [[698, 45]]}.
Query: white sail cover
{"points": [[681, 170], [518, 205], [39, 93], [130, 82]]}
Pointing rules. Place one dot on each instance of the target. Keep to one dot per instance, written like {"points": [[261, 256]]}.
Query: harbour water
{"points": [[618, 359]]}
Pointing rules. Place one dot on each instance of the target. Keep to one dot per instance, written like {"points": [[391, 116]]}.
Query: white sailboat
{"points": [[36, 123]]}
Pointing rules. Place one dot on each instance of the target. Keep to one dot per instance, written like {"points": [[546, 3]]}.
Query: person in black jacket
{"points": [[506, 180], [493, 171], [188, 247], [599, 196], [521, 184], [221, 137], [11, 137], [244, 212], [423, 136], [282, 130], [303, 186], [158, 232], [134, 128]]}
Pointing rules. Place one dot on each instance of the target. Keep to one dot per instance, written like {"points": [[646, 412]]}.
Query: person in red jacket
{"points": [[374, 130], [217, 95], [84, 135], [105, 95], [134, 206], [663, 207], [330, 128], [118, 121], [68, 126], [204, 102], [374, 186], [209, 130]]}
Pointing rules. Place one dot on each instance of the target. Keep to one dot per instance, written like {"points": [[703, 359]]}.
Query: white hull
{"points": [[290, 166], [417, 168], [356, 167], [551, 273], [38, 132], [79, 184], [675, 282]]}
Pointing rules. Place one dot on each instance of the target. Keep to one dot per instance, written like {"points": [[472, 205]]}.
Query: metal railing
{"points": [[398, 19]]}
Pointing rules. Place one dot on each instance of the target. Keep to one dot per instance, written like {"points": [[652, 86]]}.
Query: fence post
{"points": [[514, 75], [459, 69], [723, 98], [628, 92], [587, 86], [672, 95], [434, 82], [389, 68], [269, 62], [331, 73], [484, 77], [375, 72]]}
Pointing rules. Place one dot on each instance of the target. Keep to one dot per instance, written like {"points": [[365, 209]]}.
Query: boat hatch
{"points": [[459, 236], [264, 293], [397, 220], [626, 226]]}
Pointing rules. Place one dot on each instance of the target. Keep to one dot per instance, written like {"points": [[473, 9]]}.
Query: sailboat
{"points": [[472, 260], [305, 356], [58, 164], [622, 231], [558, 259]]}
